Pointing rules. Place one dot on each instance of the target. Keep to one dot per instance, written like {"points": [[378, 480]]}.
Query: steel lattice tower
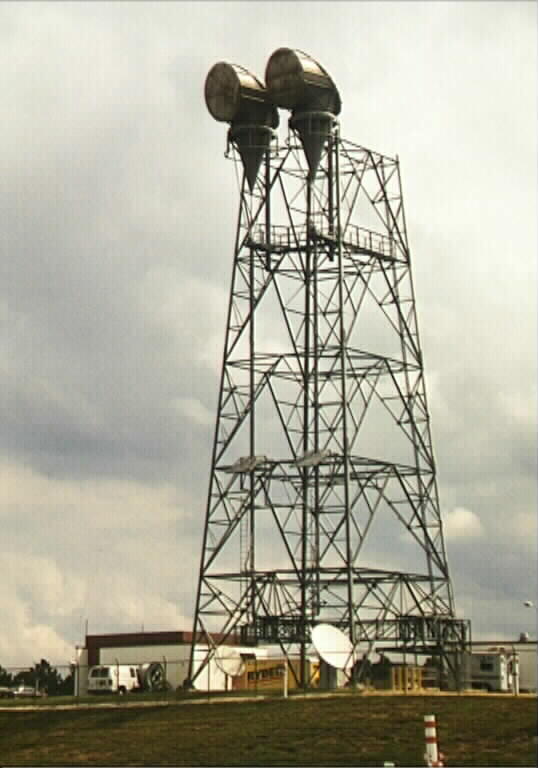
{"points": [[323, 504]]}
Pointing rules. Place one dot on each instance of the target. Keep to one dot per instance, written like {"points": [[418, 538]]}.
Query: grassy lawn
{"points": [[344, 730]]}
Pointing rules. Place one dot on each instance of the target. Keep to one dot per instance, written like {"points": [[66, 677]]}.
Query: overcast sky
{"points": [[117, 216]]}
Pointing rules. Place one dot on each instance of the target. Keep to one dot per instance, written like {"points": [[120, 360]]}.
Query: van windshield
{"points": [[100, 672]]}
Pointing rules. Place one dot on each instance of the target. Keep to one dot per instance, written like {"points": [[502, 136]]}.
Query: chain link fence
{"points": [[164, 678], [161, 679]]}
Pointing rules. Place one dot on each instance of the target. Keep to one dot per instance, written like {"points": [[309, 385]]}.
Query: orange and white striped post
{"points": [[434, 758]]}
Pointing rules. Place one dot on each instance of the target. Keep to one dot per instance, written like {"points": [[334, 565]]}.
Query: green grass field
{"points": [[341, 730]]}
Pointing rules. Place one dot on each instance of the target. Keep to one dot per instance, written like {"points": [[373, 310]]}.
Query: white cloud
{"points": [[519, 407], [105, 550], [97, 503], [195, 411], [126, 602], [524, 526], [462, 523], [36, 596], [186, 307], [33, 594], [42, 582]]}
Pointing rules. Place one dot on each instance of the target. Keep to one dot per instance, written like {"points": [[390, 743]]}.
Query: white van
{"points": [[113, 678]]}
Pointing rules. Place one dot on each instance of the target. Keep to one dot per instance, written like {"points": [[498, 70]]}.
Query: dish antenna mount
{"points": [[234, 95], [297, 82]]}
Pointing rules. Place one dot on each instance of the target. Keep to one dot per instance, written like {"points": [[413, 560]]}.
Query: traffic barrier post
{"points": [[434, 758]]}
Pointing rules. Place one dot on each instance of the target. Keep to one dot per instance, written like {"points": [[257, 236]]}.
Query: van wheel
{"points": [[121, 691]]}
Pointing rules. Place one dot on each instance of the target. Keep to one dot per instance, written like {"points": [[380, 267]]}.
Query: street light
{"points": [[530, 604]]}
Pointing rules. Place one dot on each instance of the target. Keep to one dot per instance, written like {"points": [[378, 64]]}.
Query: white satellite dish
{"points": [[333, 646], [229, 661]]}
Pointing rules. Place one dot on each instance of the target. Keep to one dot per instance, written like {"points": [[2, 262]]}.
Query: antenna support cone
{"points": [[252, 142], [314, 129]]}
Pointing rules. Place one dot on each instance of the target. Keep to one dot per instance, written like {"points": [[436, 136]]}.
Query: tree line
{"points": [[42, 676]]}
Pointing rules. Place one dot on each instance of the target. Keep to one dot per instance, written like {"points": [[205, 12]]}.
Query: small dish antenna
{"points": [[229, 661], [334, 647]]}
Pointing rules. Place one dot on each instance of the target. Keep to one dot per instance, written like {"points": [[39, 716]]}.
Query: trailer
{"points": [[491, 671], [520, 660]]}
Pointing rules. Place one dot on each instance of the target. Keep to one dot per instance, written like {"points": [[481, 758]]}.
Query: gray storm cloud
{"points": [[117, 214]]}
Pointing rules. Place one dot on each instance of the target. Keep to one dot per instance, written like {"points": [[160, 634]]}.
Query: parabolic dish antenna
{"points": [[229, 661], [333, 646]]}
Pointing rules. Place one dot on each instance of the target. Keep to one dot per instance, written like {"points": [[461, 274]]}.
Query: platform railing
{"points": [[285, 238]]}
